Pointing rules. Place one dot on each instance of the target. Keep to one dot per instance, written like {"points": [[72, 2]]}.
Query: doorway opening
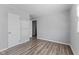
{"points": [[34, 29]]}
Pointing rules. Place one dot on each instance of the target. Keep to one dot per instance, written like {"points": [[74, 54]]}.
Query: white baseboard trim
{"points": [[23, 42], [54, 41], [3, 49], [75, 51], [13, 46], [72, 49]]}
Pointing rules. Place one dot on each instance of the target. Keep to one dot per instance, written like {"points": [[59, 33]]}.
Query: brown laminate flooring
{"points": [[38, 47]]}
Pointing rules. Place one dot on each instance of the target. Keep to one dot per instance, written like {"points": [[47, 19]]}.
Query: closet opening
{"points": [[34, 29]]}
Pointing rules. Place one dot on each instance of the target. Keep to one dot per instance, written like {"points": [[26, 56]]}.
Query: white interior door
{"points": [[13, 30]]}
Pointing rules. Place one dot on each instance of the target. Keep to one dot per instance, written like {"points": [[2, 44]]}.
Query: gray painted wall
{"points": [[3, 27], [54, 27], [74, 33], [4, 10]]}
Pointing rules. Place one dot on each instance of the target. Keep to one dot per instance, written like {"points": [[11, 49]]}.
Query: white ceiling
{"points": [[43, 9]]}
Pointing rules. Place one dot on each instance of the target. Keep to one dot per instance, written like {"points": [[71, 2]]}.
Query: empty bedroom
{"points": [[39, 29]]}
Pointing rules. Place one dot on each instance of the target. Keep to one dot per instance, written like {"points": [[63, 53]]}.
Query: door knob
{"points": [[9, 32]]}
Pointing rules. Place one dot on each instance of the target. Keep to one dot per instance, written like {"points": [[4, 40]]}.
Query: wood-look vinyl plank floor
{"points": [[38, 47]]}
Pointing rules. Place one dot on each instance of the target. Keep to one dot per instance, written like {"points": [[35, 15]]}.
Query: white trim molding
{"points": [[54, 41], [13, 46]]}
